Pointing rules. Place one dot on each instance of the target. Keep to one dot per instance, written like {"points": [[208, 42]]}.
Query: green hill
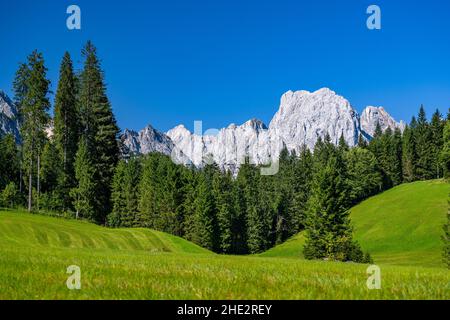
{"points": [[35, 252], [24, 230], [402, 226]]}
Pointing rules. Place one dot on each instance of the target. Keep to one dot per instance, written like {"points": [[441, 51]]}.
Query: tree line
{"points": [[79, 169], [66, 163]]}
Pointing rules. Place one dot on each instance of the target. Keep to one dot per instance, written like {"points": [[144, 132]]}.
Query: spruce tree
{"points": [[205, 220], [9, 161], [147, 190], [328, 230], [99, 129], [395, 157], [342, 144], [409, 156], [255, 221], [364, 178], [422, 134], [66, 127], [20, 88], [437, 136], [445, 153], [302, 173], [223, 194], [35, 119], [83, 194], [125, 194], [362, 142], [51, 175]]}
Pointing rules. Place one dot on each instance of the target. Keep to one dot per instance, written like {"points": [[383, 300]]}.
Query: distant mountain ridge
{"points": [[301, 119], [8, 117]]}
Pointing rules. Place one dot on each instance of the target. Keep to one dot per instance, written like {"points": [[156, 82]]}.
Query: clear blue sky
{"points": [[171, 62]]}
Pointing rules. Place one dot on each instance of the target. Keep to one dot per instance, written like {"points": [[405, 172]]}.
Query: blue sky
{"points": [[171, 62]]}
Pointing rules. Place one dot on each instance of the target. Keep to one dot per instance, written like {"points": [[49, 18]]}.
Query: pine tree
{"points": [[51, 168], [302, 173], [445, 153], [280, 197], [364, 177], [9, 161], [395, 158], [437, 136], [205, 220], [223, 193], [147, 190], [125, 193], [35, 119], [329, 234], [20, 88], [342, 145], [422, 134], [10, 195], [409, 156], [248, 181], [378, 131], [83, 193], [66, 127], [362, 142], [99, 129]]}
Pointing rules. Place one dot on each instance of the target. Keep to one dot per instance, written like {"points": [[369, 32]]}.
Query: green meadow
{"points": [[401, 228]]}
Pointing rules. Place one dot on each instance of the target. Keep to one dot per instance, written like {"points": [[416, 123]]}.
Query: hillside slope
{"points": [[26, 230], [402, 226], [35, 252]]}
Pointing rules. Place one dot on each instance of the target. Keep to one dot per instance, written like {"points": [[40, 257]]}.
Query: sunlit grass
{"points": [[35, 252]]}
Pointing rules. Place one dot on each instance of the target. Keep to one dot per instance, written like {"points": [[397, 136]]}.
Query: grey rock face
{"points": [[302, 118], [373, 115], [8, 117]]}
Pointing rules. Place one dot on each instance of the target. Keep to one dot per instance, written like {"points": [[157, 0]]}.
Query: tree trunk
{"points": [[38, 179], [30, 184]]}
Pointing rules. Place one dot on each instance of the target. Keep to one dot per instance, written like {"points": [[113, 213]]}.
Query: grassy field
{"points": [[35, 252], [402, 226]]}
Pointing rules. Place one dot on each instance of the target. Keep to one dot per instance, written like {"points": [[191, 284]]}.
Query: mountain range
{"points": [[301, 119]]}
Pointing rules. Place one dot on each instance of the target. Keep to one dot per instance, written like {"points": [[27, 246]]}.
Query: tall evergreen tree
{"points": [[301, 185], [9, 161], [329, 234], [51, 168], [445, 153], [35, 119], [436, 141], [422, 134], [125, 194], [409, 156], [364, 177], [20, 88], [362, 142], [83, 193], [205, 219], [99, 129], [223, 194], [66, 127]]}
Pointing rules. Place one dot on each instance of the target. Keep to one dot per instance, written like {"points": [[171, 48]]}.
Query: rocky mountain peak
{"points": [[8, 117], [301, 119], [373, 115]]}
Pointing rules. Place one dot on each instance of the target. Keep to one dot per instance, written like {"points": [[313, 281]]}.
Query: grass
{"points": [[35, 252], [402, 226]]}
